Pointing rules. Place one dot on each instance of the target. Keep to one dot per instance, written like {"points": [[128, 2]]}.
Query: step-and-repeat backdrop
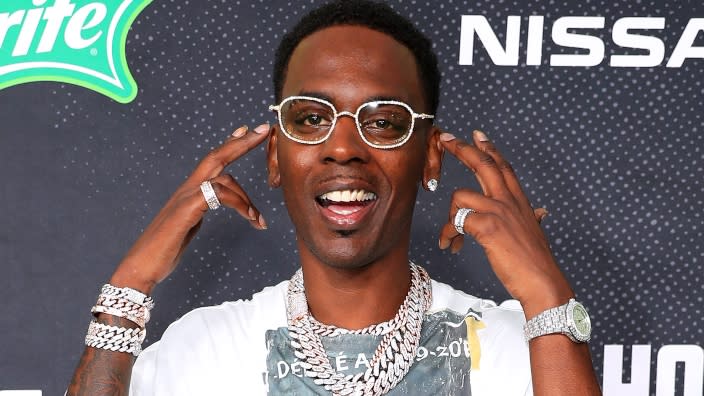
{"points": [[598, 104]]}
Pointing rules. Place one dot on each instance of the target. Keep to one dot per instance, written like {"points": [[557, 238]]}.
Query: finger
{"points": [[234, 147], [456, 244], [238, 133], [449, 232], [510, 178], [540, 214], [481, 163], [233, 200], [450, 238], [229, 181], [253, 214], [482, 208], [465, 198], [476, 224]]}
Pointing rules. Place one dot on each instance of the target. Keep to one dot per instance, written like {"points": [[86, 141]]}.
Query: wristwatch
{"points": [[570, 319]]}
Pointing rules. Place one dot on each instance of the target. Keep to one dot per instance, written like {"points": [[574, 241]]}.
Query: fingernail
{"points": [[252, 214], [544, 215], [262, 222], [446, 137], [481, 136], [239, 132], [261, 129]]}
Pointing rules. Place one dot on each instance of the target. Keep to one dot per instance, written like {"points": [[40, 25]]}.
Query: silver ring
{"points": [[460, 216], [209, 194]]}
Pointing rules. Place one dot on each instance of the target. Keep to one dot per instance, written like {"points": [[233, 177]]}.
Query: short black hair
{"points": [[373, 15]]}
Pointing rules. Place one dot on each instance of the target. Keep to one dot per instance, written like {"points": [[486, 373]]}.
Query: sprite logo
{"points": [[80, 42]]}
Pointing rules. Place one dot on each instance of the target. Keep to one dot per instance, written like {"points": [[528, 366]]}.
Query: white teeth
{"points": [[335, 196], [348, 196]]}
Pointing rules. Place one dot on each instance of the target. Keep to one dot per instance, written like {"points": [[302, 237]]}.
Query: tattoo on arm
{"points": [[103, 372]]}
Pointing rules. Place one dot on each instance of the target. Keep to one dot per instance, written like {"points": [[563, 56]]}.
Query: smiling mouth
{"points": [[346, 207], [345, 202]]}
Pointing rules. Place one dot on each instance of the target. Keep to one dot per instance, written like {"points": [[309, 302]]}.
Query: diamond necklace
{"points": [[392, 358]]}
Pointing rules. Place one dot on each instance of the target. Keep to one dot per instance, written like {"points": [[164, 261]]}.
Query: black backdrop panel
{"points": [[615, 154]]}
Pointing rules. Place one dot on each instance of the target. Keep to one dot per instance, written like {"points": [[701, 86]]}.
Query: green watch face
{"points": [[581, 319]]}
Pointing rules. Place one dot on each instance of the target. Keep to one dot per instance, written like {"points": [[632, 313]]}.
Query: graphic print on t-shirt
{"points": [[449, 347]]}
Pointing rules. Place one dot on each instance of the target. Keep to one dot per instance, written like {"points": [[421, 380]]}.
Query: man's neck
{"points": [[356, 298]]}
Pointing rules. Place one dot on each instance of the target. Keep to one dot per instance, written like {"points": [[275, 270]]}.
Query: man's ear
{"points": [[272, 158], [433, 157]]}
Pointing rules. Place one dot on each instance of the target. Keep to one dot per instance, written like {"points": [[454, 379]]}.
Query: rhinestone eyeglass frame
{"points": [[354, 115]]}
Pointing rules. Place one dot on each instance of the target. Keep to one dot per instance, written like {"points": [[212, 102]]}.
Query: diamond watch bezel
{"points": [[574, 332]]}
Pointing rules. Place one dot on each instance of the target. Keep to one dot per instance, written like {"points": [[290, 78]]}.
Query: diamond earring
{"points": [[432, 184]]}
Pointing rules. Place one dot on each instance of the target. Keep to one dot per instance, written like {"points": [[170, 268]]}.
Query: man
{"points": [[357, 88]]}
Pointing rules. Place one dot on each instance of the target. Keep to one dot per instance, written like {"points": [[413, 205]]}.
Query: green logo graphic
{"points": [[80, 42]]}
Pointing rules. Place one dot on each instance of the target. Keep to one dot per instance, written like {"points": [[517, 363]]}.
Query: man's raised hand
{"points": [[155, 254], [505, 225]]}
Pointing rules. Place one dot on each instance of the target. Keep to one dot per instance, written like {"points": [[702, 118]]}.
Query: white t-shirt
{"points": [[468, 346]]}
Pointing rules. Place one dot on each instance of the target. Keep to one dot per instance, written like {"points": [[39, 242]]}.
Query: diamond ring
{"points": [[209, 194], [460, 216]]}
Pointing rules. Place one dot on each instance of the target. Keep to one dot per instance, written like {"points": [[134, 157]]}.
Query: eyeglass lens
{"points": [[381, 124]]}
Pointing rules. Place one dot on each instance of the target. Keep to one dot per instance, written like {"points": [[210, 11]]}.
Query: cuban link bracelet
{"points": [[392, 358], [128, 293], [115, 338], [123, 308], [124, 302]]}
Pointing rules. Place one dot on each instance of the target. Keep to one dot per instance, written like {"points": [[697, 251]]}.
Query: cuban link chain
{"points": [[392, 358], [115, 338], [122, 307]]}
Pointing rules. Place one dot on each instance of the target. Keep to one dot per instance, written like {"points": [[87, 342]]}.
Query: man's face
{"points": [[327, 187]]}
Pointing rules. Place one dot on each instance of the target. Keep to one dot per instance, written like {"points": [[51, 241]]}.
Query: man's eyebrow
{"points": [[326, 97], [383, 98], [315, 94]]}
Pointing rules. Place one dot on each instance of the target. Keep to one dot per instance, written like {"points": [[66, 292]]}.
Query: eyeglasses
{"points": [[383, 124]]}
